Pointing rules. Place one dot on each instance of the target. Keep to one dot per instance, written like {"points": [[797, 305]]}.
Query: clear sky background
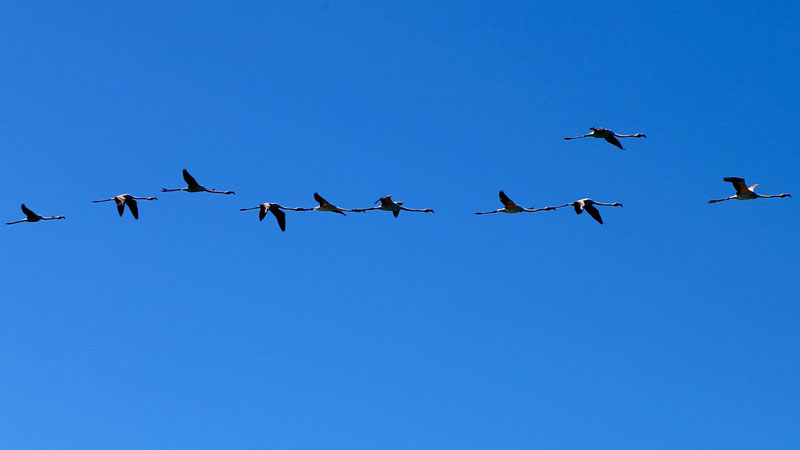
{"points": [[674, 325]]}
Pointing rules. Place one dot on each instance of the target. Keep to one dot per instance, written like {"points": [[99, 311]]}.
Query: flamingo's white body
{"points": [[31, 216], [745, 192]]}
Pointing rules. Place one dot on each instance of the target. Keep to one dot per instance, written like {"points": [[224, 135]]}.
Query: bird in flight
{"points": [[275, 209], [194, 186], [387, 204], [31, 216], [509, 207], [126, 199], [745, 192], [588, 205], [325, 205], [608, 135]]}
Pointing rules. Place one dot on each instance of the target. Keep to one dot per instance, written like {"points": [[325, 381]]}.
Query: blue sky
{"points": [[671, 326]]}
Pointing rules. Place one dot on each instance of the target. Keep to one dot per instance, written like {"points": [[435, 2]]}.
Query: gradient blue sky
{"points": [[674, 325]]}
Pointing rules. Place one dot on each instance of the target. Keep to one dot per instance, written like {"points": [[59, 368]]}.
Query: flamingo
{"points": [[126, 199], [31, 216], [509, 207], [194, 186], [589, 205], [387, 204], [745, 192], [275, 209], [608, 135], [325, 205]]}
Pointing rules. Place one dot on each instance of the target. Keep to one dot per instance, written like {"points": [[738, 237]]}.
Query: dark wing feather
{"points": [[262, 212], [505, 200], [386, 201], [396, 212], [320, 200], [613, 140], [281, 216], [578, 207], [27, 211], [189, 179], [594, 213], [133, 207], [120, 206], [738, 184]]}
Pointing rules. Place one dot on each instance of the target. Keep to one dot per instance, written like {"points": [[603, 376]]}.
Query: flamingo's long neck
{"points": [[774, 196]]}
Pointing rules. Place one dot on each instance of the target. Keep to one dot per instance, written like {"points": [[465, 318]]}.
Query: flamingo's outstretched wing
{"points": [[190, 179], [593, 212], [133, 207], [280, 216], [27, 211], [120, 206], [320, 200], [738, 184], [614, 141], [386, 200], [507, 202]]}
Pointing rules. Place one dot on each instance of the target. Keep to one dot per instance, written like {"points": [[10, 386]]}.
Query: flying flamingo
{"points": [[387, 204], [126, 199], [325, 205], [275, 209], [31, 216], [509, 207], [194, 186], [608, 135], [745, 192], [588, 205]]}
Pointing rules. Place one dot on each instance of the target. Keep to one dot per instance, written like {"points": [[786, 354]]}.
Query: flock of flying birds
{"points": [[743, 192]]}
